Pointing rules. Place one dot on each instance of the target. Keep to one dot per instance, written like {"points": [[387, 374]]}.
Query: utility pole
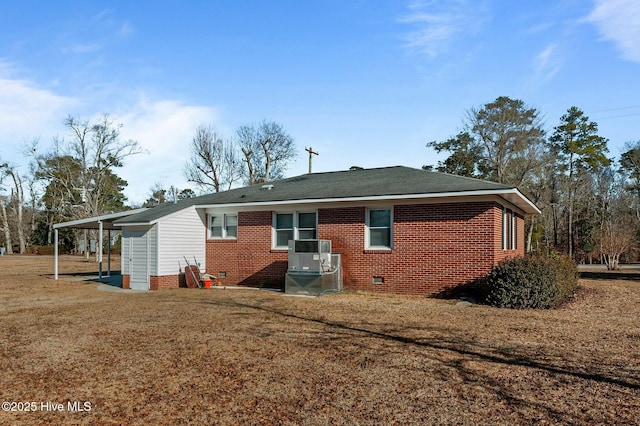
{"points": [[311, 154]]}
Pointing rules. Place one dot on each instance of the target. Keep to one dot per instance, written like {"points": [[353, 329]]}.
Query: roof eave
{"points": [[512, 195], [87, 222]]}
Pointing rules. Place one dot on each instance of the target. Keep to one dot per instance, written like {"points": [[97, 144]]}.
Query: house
{"points": [[397, 229]]}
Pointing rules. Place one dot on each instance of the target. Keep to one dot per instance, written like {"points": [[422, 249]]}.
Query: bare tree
{"points": [[266, 149], [630, 169], [616, 240], [5, 218], [158, 195], [16, 205], [81, 167], [214, 163]]}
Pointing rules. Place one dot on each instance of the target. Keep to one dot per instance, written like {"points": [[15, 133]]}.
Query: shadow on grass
{"points": [[457, 347]]}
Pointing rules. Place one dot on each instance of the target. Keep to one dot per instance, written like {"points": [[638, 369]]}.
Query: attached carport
{"points": [[100, 223]]}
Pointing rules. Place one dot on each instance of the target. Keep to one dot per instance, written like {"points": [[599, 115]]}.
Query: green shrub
{"points": [[534, 281]]}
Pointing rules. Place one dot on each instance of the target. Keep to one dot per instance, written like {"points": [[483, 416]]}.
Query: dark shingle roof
{"points": [[360, 183]]}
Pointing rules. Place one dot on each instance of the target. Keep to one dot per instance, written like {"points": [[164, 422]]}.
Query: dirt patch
{"points": [[257, 357]]}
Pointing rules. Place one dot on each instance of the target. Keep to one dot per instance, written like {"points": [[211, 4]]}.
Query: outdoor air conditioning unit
{"points": [[310, 256]]}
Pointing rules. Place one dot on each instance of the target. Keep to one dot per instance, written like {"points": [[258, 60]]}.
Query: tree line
{"points": [[76, 177], [589, 201]]}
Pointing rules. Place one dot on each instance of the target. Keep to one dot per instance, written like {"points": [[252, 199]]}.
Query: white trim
{"points": [[511, 195], [96, 219], [161, 218], [367, 234], [509, 229], [224, 231], [295, 224]]}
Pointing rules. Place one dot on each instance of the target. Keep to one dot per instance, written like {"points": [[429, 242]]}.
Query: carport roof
{"points": [[94, 222]]}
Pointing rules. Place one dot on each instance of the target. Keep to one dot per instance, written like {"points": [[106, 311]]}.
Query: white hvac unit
{"points": [[310, 256]]}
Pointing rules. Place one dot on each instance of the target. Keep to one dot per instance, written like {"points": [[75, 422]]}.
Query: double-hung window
{"points": [[379, 228], [223, 226], [509, 230], [307, 226], [294, 226]]}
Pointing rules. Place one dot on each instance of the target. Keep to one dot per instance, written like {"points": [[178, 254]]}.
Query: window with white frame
{"points": [[294, 226], [307, 226], [379, 228], [509, 230], [223, 226]]}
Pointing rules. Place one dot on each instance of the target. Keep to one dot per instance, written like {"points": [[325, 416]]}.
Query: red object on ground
{"points": [[192, 275], [207, 284]]}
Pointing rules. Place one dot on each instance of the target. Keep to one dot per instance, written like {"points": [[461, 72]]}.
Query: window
{"points": [[509, 230], [306, 226], [216, 226], [379, 228], [284, 229], [231, 226], [294, 226], [223, 226]]}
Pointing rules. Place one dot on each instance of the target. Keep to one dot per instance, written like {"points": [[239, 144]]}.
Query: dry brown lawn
{"points": [[257, 357]]}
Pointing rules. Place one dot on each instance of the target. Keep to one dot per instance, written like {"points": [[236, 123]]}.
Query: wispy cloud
{"points": [[619, 21], [438, 24], [164, 129], [81, 48], [28, 111], [125, 29], [546, 64], [95, 34]]}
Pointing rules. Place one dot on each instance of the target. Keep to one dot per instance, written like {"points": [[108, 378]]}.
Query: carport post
{"points": [[55, 253], [109, 253], [100, 226]]}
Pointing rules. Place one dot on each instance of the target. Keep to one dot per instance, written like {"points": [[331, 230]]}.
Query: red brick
{"points": [[436, 247]]}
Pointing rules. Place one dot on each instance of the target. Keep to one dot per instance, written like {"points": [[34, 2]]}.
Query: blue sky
{"points": [[365, 83]]}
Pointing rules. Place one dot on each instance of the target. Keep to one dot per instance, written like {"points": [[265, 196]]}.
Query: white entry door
{"points": [[139, 259]]}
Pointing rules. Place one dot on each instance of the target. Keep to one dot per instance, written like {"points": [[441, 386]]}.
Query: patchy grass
{"points": [[258, 357]]}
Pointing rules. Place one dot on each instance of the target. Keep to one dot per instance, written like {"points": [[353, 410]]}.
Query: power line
{"points": [[617, 109], [617, 116]]}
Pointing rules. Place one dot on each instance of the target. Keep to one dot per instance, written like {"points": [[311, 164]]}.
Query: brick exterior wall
{"points": [[158, 282], [249, 260], [166, 281], [436, 247]]}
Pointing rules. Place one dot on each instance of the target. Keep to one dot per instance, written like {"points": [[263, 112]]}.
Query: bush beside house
{"points": [[533, 281]]}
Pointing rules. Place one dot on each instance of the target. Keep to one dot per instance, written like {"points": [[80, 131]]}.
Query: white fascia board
{"points": [[124, 225], [96, 219], [161, 218], [521, 201], [510, 195]]}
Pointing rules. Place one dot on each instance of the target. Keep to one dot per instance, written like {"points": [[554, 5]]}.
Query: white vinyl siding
{"points": [[181, 235]]}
